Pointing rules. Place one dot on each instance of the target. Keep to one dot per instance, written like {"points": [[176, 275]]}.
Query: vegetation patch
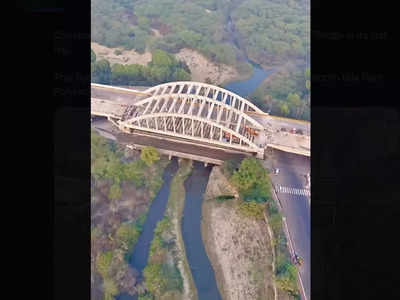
{"points": [[121, 194], [167, 274], [160, 276], [286, 93], [223, 198]]}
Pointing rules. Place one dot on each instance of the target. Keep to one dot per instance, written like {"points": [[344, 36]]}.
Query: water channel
{"points": [[200, 266], [246, 87]]}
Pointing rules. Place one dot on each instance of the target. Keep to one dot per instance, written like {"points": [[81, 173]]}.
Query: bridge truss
{"points": [[197, 112]]}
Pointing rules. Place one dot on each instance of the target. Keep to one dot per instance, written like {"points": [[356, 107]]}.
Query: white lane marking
{"points": [[293, 191]]}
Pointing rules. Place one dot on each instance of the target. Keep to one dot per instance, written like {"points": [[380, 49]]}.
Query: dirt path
{"points": [[239, 248]]}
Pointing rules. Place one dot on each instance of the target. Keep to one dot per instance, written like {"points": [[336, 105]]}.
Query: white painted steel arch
{"points": [[203, 99], [136, 124], [194, 106], [171, 88]]}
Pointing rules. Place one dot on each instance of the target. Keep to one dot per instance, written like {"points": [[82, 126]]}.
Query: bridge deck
{"points": [[176, 146], [107, 108]]}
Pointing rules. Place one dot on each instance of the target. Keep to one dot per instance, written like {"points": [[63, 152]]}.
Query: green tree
{"points": [[110, 289], [92, 56], [246, 176], [154, 281], [308, 85], [162, 58], [127, 235], [295, 103], [181, 75], [101, 72], [284, 109], [250, 172], [103, 263], [115, 191], [307, 73], [146, 296], [134, 171], [149, 155]]}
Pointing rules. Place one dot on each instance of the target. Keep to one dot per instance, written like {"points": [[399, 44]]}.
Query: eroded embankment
{"points": [[239, 248]]}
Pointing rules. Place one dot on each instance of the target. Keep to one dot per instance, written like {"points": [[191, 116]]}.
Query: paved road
{"points": [[296, 208], [117, 96]]}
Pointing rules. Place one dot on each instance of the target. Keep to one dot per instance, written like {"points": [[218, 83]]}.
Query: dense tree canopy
{"points": [[252, 181], [268, 31], [286, 94]]}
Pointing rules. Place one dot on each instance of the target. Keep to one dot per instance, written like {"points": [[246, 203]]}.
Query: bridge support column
{"points": [[169, 157], [205, 164]]}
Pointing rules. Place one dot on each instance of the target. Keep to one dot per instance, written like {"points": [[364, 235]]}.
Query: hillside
{"points": [[229, 33]]}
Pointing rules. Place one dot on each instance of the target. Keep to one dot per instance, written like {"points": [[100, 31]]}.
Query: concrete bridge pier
{"points": [[205, 164], [169, 157]]}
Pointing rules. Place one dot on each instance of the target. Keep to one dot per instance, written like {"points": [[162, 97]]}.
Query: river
{"points": [[200, 266], [246, 87]]}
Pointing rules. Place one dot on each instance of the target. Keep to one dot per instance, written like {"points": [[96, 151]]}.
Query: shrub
{"points": [[115, 191], [103, 263], [224, 197], [110, 289], [149, 155], [155, 283], [127, 234], [252, 209]]}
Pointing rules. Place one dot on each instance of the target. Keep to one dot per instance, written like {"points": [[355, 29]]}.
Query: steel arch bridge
{"points": [[197, 112]]}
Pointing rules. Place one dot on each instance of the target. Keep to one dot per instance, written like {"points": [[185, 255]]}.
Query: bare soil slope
{"points": [[239, 248]]}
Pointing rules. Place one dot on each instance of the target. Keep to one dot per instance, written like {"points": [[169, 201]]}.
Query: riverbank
{"points": [[176, 204], [167, 274], [239, 248]]}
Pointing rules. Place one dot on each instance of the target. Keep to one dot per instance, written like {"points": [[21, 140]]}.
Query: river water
{"points": [[246, 87], [200, 266]]}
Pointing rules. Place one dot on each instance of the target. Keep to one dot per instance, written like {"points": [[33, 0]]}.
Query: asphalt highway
{"points": [[296, 208]]}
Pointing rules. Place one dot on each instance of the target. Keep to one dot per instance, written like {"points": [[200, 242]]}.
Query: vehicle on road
{"points": [[298, 260]]}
